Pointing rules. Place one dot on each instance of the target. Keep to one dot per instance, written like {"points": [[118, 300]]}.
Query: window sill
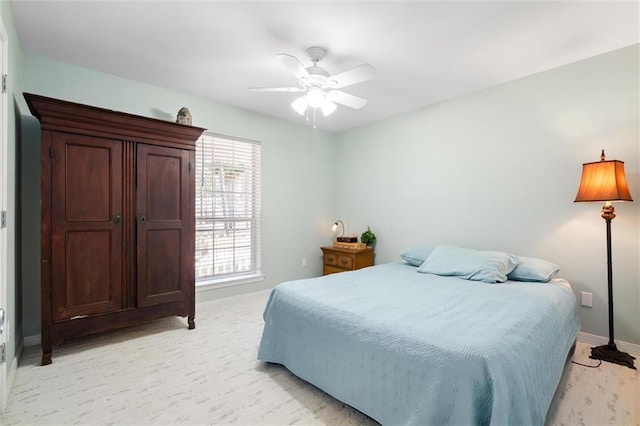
{"points": [[210, 284]]}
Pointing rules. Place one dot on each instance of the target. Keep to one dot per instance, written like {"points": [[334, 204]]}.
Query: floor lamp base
{"points": [[610, 353]]}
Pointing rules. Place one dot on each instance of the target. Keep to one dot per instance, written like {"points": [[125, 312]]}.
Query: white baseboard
{"points": [[29, 341], [595, 340]]}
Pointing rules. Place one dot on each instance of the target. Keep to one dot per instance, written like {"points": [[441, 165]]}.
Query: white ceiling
{"points": [[424, 52]]}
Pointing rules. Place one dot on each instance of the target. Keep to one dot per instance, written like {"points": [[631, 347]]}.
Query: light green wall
{"points": [[297, 165], [499, 169]]}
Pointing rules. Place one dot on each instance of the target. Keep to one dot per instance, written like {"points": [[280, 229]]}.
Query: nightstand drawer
{"points": [[326, 270], [345, 262], [331, 259]]}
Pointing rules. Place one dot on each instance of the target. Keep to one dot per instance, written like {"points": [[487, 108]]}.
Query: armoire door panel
{"points": [[163, 198], [163, 264], [88, 272], [88, 183], [86, 210], [163, 223]]}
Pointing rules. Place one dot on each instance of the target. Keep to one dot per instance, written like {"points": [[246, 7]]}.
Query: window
{"points": [[227, 207]]}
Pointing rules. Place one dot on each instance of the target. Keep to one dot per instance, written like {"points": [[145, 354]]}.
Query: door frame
{"points": [[4, 206]]}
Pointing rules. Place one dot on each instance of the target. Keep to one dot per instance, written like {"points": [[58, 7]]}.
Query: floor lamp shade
{"points": [[603, 181], [606, 181]]}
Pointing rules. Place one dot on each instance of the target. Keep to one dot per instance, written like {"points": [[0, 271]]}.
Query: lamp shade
{"points": [[328, 107], [334, 228], [315, 97], [603, 181], [300, 105]]}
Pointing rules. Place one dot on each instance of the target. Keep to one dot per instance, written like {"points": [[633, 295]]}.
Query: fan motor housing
{"points": [[317, 77]]}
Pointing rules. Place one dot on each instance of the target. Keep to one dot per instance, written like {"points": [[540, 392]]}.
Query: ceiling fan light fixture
{"points": [[315, 97], [328, 107], [300, 105], [320, 88]]}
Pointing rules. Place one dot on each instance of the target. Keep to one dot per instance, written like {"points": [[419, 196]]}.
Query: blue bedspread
{"points": [[410, 348]]}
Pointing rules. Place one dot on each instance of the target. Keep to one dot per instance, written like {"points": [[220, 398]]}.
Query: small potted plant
{"points": [[368, 237]]}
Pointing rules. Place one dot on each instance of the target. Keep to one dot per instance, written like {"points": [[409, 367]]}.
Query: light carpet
{"points": [[162, 373]]}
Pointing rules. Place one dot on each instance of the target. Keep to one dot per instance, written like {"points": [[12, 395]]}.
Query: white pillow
{"points": [[474, 265], [416, 255], [533, 270]]}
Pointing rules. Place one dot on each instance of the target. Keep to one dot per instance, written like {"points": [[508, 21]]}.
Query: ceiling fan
{"points": [[321, 88]]}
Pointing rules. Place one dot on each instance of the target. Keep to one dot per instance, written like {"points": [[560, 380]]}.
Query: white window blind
{"points": [[227, 207]]}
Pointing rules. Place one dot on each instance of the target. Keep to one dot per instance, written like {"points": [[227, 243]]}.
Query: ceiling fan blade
{"points": [[276, 89], [294, 65], [346, 99], [355, 75]]}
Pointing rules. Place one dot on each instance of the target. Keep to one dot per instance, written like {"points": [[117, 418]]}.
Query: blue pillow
{"points": [[474, 265], [533, 270], [416, 256]]}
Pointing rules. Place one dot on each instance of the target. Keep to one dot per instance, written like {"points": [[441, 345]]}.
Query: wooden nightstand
{"points": [[340, 260]]}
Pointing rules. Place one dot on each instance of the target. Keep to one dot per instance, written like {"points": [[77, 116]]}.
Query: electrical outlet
{"points": [[304, 262], [586, 299]]}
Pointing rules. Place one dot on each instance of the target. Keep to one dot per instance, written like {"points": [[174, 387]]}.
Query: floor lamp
{"points": [[605, 181]]}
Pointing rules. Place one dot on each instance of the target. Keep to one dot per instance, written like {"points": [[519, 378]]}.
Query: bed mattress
{"points": [[411, 348]]}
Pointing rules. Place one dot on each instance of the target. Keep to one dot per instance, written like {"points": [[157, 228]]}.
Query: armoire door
{"points": [[164, 248], [86, 209]]}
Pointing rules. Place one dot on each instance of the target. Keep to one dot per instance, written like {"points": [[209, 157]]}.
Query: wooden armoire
{"points": [[118, 220]]}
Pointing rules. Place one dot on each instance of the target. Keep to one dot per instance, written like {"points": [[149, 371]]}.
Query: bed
{"points": [[416, 348]]}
